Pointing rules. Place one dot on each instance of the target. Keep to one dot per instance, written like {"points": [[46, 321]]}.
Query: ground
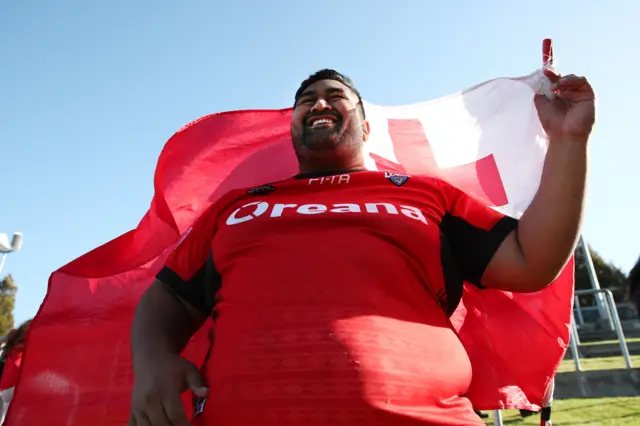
{"points": [[606, 363], [623, 411], [607, 342]]}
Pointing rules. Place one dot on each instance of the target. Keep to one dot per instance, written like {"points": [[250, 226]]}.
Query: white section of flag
{"points": [[496, 117]]}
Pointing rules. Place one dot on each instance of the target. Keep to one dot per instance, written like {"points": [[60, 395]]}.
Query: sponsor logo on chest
{"points": [[264, 209]]}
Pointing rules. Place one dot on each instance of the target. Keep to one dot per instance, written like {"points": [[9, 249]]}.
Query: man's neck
{"points": [[328, 162], [318, 173], [331, 168]]}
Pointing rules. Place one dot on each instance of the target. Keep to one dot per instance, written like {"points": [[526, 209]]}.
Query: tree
{"points": [[634, 284], [7, 301], [609, 276]]}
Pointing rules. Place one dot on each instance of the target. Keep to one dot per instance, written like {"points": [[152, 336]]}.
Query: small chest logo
{"points": [[398, 179], [337, 179], [261, 190]]}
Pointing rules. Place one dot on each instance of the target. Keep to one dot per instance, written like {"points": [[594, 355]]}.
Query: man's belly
{"points": [[337, 364]]}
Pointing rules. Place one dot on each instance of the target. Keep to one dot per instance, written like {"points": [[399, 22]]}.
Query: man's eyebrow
{"points": [[335, 90], [329, 90], [307, 93]]}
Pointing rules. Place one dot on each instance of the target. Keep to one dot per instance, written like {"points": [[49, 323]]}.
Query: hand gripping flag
{"points": [[486, 140]]}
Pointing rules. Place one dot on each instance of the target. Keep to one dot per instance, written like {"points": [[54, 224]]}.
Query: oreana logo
{"points": [[256, 209]]}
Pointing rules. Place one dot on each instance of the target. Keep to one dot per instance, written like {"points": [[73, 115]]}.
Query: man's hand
{"points": [[157, 388], [531, 257], [571, 114]]}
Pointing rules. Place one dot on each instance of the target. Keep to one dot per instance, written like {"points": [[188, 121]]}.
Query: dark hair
{"points": [[15, 338], [328, 74]]}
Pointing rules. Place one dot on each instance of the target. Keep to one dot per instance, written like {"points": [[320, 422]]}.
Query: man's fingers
{"points": [[196, 383], [571, 80], [170, 413], [157, 417], [540, 100], [142, 420], [566, 81], [571, 83], [174, 411]]}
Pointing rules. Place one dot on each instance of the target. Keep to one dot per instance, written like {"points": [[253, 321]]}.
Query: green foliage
{"points": [[609, 276], [8, 291]]}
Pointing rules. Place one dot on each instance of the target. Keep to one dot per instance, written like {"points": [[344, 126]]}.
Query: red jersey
{"points": [[331, 297]]}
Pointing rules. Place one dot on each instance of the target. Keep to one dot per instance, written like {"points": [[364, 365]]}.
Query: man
{"points": [[331, 291]]}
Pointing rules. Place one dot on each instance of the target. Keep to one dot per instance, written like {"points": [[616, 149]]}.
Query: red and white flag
{"points": [[486, 140]]}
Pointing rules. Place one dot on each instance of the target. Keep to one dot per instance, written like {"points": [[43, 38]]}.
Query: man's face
{"points": [[326, 118]]}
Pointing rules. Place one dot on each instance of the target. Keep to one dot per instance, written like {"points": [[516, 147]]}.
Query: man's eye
{"points": [[305, 101], [338, 96]]}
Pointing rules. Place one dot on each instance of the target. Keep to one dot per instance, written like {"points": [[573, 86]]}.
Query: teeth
{"points": [[322, 121]]}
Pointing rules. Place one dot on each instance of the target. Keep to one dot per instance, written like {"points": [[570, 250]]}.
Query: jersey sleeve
{"points": [[473, 230], [190, 271]]}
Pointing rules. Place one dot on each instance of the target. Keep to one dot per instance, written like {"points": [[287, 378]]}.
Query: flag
{"points": [[486, 140]]}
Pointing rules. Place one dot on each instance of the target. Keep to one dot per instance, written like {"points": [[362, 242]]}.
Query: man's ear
{"points": [[366, 130]]}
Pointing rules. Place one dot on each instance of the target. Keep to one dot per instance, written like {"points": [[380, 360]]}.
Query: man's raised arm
{"points": [[533, 255]]}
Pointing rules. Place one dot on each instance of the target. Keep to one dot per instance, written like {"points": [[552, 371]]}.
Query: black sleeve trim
{"points": [[451, 294], [200, 291], [474, 247], [465, 253], [212, 289]]}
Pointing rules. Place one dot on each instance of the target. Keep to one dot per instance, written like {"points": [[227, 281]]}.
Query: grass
{"points": [[621, 411], [606, 363], [608, 342]]}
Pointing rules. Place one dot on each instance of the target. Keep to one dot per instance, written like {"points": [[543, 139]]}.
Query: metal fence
{"points": [[613, 319]]}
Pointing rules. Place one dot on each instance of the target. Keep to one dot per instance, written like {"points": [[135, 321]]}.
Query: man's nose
{"points": [[320, 105]]}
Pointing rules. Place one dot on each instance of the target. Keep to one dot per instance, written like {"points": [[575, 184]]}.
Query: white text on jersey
{"points": [[330, 179], [258, 208]]}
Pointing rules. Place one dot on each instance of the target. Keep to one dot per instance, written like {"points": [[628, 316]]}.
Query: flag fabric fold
{"points": [[486, 140]]}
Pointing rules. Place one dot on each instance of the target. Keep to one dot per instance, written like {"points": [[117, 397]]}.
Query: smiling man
{"points": [[331, 291]]}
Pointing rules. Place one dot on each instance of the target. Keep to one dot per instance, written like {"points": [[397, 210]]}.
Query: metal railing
{"points": [[613, 319]]}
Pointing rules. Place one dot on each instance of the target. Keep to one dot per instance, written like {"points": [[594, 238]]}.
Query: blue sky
{"points": [[90, 91]]}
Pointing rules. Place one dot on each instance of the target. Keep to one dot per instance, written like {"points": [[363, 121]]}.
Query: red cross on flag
{"points": [[486, 140]]}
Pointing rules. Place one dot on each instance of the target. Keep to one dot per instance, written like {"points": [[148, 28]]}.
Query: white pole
{"points": [[573, 345], [6, 247], [578, 309], [497, 417], [601, 304], [4, 258]]}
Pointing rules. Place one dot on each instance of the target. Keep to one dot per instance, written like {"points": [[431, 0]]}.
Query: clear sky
{"points": [[90, 91]]}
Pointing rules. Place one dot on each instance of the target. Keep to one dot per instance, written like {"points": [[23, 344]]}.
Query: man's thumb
{"points": [[539, 100], [196, 383]]}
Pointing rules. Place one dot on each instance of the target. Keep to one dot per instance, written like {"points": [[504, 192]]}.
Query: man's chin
{"points": [[321, 142]]}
